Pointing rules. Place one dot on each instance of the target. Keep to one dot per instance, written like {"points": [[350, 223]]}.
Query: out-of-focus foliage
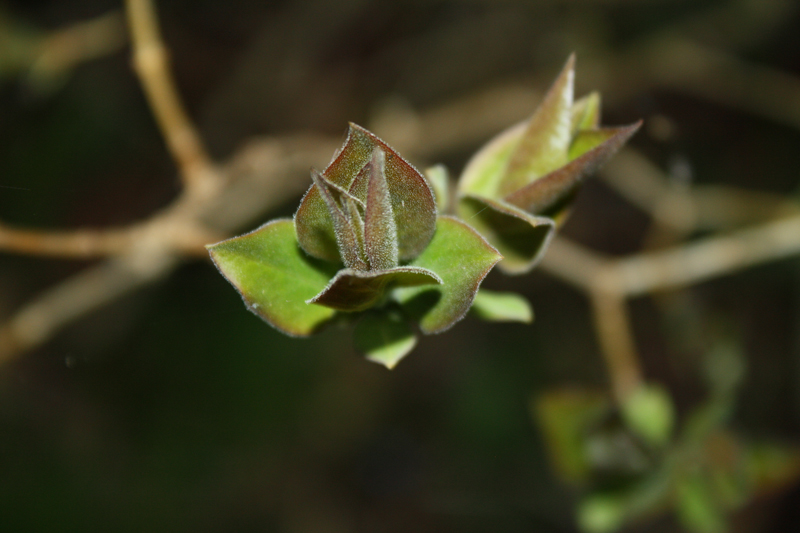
{"points": [[173, 410], [518, 187], [631, 465]]}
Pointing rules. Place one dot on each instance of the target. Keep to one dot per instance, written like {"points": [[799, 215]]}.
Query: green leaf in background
{"points": [[649, 413], [696, 508], [520, 237], [601, 513], [439, 180], [384, 338], [462, 258], [275, 277], [564, 417], [501, 307], [354, 290]]}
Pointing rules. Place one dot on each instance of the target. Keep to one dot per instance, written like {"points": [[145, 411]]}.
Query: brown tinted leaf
{"points": [[549, 194], [380, 232], [353, 290]]}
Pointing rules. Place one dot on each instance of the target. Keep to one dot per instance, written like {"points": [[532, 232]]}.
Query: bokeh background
{"points": [[174, 409]]}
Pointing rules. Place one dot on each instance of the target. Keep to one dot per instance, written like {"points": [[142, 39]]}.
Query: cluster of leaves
{"points": [[631, 463], [368, 240]]}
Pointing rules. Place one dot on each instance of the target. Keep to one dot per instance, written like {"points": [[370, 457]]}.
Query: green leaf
{"points": [[355, 290], [538, 166], [649, 413], [772, 466], [485, 170], [607, 510], [501, 307], [586, 113], [543, 147], [564, 417], [696, 507], [412, 200], [601, 513], [275, 277], [439, 180], [520, 237], [462, 258], [384, 338]]}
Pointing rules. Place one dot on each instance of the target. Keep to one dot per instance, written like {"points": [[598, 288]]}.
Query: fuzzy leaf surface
{"points": [[412, 200], [586, 113], [551, 194], [380, 231], [544, 144], [347, 227], [275, 277], [354, 290], [501, 307], [462, 258], [384, 338], [520, 237], [485, 169]]}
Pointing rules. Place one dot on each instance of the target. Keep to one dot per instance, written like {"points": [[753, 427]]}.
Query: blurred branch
{"points": [[216, 201], [63, 50], [44, 58], [609, 282], [151, 64], [258, 178], [701, 207]]}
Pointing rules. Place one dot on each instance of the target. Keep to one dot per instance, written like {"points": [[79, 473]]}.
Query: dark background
{"points": [[174, 409]]}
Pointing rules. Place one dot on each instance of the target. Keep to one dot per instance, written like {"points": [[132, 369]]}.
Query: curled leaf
{"points": [[354, 290], [380, 231], [519, 236], [533, 171], [462, 258], [411, 198]]}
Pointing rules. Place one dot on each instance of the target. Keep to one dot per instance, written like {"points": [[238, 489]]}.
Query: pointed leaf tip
{"points": [[346, 224], [275, 277], [546, 140], [551, 194], [501, 307], [384, 338]]}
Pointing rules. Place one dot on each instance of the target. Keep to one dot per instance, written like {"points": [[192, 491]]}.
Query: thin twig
{"points": [[151, 64], [90, 289], [613, 325], [62, 50], [90, 243], [610, 281]]}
